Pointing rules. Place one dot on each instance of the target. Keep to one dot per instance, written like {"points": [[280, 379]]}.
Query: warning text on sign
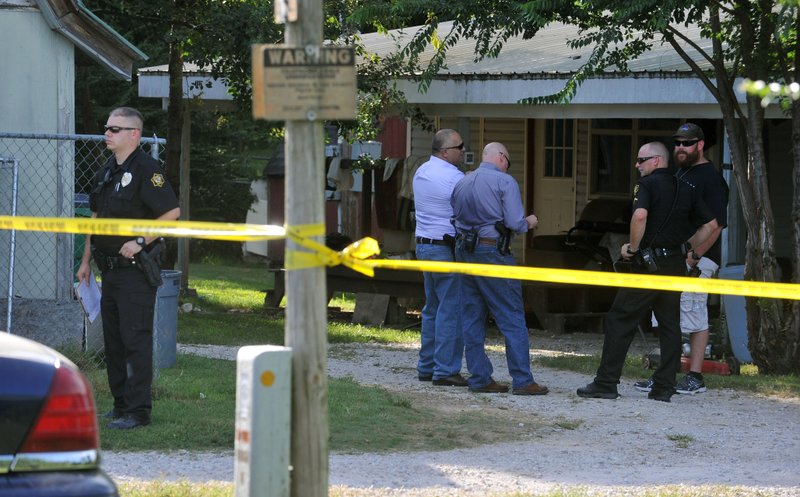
{"points": [[295, 83]]}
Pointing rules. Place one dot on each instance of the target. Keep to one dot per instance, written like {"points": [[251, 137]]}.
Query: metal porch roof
{"points": [[546, 54]]}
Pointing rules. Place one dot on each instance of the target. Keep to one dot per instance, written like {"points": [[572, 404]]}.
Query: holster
{"points": [[149, 261], [504, 240], [469, 240]]}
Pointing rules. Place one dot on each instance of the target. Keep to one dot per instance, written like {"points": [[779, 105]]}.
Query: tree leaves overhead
{"points": [[215, 34], [618, 31]]}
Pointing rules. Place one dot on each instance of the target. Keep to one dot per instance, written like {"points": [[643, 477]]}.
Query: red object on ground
{"points": [[710, 367]]}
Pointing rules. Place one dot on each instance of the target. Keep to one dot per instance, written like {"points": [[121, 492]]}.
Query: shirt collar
{"points": [[441, 162], [489, 165]]}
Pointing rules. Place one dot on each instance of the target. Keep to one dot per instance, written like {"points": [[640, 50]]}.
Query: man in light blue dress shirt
{"points": [[442, 344], [480, 200]]}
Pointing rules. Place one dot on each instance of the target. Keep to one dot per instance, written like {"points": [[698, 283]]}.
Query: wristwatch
{"points": [[141, 242], [696, 256]]}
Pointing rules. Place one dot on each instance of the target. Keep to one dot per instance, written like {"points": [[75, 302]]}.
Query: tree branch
{"points": [[695, 68], [671, 32]]}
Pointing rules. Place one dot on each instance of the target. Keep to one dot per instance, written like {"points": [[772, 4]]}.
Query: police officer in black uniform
{"points": [[130, 185], [666, 212]]}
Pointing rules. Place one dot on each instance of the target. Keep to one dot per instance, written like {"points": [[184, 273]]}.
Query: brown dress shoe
{"points": [[451, 381], [532, 389], [492, 387]]}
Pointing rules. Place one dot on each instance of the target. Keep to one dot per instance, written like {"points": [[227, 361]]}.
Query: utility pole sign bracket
{"points": [[303, 83]]}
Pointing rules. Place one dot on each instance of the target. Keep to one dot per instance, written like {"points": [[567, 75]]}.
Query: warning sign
{"points": [[303, 83]]}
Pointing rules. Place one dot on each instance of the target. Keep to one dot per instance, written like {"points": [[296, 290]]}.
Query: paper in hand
{"points": [[89, 296]]}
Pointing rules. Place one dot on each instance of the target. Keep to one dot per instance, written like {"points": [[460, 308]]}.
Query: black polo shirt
{"points": [[136, 189], [713, 189], [668, 226]]}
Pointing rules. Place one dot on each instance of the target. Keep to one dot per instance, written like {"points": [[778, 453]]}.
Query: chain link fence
{"points": [[53, 179]]}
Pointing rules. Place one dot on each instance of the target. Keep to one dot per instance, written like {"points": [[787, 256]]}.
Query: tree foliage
{"points": [[759, 40], [212, 34]]}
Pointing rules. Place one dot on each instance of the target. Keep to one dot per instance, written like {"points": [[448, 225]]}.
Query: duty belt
{"points": [[667, 252], [109, 262]]}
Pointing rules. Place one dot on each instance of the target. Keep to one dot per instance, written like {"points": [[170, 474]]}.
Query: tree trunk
{"points": [[174, 132], [771, 323], [772, 333], [175, 115], [765, 316]]}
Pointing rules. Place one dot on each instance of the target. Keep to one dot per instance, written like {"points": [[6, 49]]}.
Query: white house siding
{"points": [[37, 96]]}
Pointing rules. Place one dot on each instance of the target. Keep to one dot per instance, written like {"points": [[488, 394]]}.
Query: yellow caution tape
{"points": [[357, 255], [353, 256], [602, 278], [141, 227]]}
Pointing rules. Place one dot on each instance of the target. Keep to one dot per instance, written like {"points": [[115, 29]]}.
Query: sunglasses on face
{"points": [[685, 143], [460, 146], [642, 160], [507, 160], [116, 129]]}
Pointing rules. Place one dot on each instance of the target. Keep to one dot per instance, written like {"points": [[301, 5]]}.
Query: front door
{"points": [[554, 175]]}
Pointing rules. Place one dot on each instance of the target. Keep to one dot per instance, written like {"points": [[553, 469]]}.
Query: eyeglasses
{"points": [[460, 146], [116, 129], [642, 160], [685, 143], [507, 160]]}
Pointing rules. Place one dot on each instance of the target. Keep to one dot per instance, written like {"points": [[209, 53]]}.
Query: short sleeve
{"points": [[155, 190], [641, 196]]}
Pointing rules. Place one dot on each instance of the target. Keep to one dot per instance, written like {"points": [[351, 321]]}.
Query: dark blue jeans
{"points": [[442, 343], [503, 298]]}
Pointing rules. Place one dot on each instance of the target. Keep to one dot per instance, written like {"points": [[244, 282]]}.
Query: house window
{"points": [[558, 148], [614, 145]]}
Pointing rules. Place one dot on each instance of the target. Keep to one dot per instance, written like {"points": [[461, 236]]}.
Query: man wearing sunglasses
{"points": [[666, 212], [131, 185], [695, 169], [441, 341], [484, 198]]}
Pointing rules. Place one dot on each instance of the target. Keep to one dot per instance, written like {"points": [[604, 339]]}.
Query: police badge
{"points": [[157, 180]]}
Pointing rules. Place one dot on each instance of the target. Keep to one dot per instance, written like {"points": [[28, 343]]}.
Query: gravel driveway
{"points": [[721, 437]]}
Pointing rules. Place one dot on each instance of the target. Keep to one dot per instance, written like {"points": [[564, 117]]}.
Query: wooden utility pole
{"points": [[303, 83], [306, 320]]}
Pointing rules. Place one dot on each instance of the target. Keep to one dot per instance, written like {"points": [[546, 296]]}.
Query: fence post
{"points": [[154, 152], [13, 242]]}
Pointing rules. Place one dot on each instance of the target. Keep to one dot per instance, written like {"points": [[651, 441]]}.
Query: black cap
{"points": [[691, 131]]}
